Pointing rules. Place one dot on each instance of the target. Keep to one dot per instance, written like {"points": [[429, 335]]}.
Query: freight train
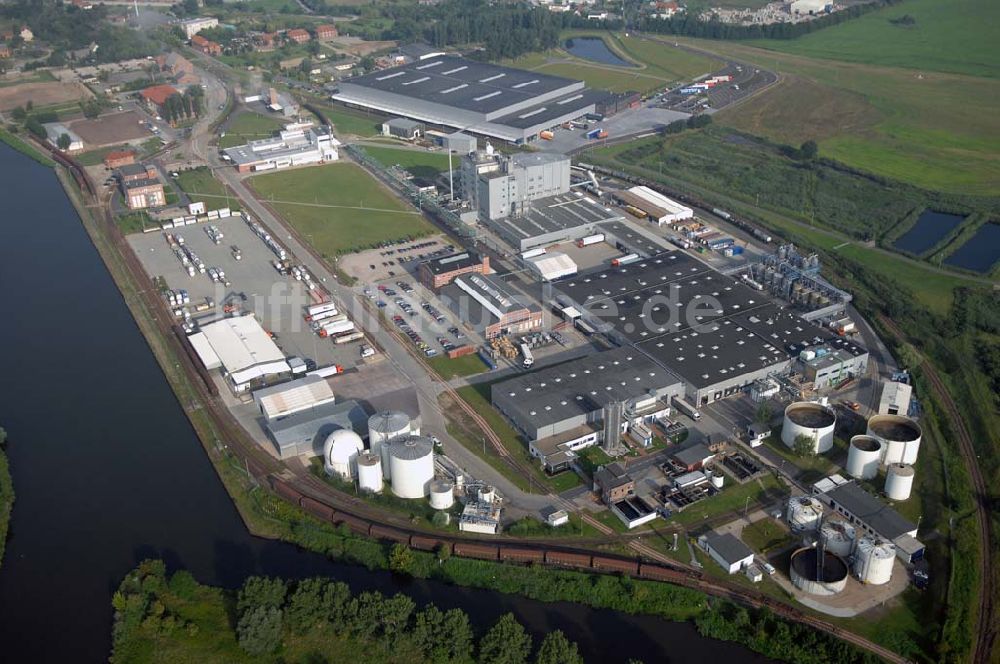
{"points": [[493, 551]]}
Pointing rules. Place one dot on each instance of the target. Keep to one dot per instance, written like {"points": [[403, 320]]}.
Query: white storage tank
{"points": [[899, 481], [718, 479], [369, 472], [815, 420], [864, 457], [873, 561], [412, 461], [807, 574], [804, 514], [900, 438], [487, 494], [838, 537], [442, 495], [384, 428], [340, 451]]}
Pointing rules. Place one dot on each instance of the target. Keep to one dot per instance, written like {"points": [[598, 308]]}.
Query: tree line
{"points": [[179, 107]]}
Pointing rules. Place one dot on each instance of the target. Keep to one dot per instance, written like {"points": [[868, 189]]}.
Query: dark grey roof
{"points": [[728, 547], [418, 50], [452, 262], [692, 455], [132, 169], [411, 447], [557, 393], [553, 214], [405, 123], [612, 476], [631, 240], [881, 518], [145, 182], [465, 84], [548, 112], [304, 427]]}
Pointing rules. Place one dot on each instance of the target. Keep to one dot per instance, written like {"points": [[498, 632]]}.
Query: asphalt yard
{"points": [[278, 301]]}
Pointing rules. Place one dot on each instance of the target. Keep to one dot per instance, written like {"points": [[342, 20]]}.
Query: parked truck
{"points": [[590, 239], [529, 359], [624, 260], [547, 135], [350, 336], [323, 372], [317, 309], [338, 327], [685, 407]]}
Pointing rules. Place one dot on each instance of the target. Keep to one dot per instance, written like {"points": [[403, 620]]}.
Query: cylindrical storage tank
{"points": [[487, 494], [412, 461], [806, 418], [384, 428], [838, 537], [806, 572], [900, 438], [442, 495], [873, 561], [804, 514], [369, 472], [718, 479], [863, 457], [898, 481], [340, 451]]}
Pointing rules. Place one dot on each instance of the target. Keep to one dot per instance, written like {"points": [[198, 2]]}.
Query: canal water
{"points": [[981, 252], [931, 228], [593, 48], [108, 470]]}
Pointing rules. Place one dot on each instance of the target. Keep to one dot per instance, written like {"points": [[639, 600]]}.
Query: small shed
{"points": [[727, 550], [404, 128]]}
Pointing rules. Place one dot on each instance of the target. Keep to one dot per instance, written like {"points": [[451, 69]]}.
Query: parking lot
{"points": [[255, 285], [430, 326], [398, 260], [746, 80]]}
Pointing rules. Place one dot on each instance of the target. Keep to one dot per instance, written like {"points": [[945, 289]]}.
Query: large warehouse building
{"points": [[717, 334], [510, 104], [242, 349]]}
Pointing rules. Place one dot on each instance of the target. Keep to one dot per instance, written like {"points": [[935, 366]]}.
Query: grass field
{"points": [[934, 130], [249, 126], [765, 534], [466, 365], [957, 37], [418, 162], [732, 499], [339, 208], [354, 123], [202, 187]]}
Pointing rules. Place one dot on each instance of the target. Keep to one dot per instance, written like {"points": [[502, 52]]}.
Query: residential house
{"points": [[325, 32], [298, 35], [156, 96], [206, 46]]}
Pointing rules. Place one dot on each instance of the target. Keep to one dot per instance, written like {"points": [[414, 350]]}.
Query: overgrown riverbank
{"points": [[6, 494]]}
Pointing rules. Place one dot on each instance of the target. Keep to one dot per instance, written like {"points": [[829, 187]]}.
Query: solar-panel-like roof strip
{"points": [[457, 87], [569, 99], [534, 112], [526, 83], [417, 80]]}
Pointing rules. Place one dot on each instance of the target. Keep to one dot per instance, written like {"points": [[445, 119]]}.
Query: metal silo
{"points": [[442, 494], [873, 561], [340, 451], [369, 472], [900, 438], [810, 419], [384, 428], [804, 514], [898, 481], [838, 537], [864, 457], [412, 461]]}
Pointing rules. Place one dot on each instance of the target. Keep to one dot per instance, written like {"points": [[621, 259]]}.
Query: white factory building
{"points": [[193, 26], [552, 266], [659, 208], [241, 348], [297, 146]]}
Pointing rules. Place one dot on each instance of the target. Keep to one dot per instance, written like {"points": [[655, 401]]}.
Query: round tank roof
{"points": [[901, 469], [894, 427], [389, 421], [804, 564], [413, 447], [369, 459], [440, 486], [866, 443], [810, 415], [342, 444]]}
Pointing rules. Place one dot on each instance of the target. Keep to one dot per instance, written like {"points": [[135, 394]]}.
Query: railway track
{"points": [[984, 624]]}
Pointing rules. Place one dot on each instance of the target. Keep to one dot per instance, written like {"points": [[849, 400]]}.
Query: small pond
{"points": [[931, 228], [981, 252], [594, 49]]}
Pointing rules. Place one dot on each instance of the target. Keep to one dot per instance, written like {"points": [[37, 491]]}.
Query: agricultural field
{"points": [[41, 94], [957, 37], [202, 187], [933, 130], [248, 127], [339, 208], [418, 162]]}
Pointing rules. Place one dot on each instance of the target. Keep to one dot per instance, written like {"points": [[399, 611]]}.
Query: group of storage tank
{"points": [[804, 514], [395, 452], [891, 442], [814, 420]]}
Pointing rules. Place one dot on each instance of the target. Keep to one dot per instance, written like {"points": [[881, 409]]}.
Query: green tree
{"points": [[809, 150], [261, 591], [804, 445], [764, 412], [505, 643], [395, 614], [64, 141], [443, 637], [259, 630], [19, 114], [401, 559], [3, 435], [309, 605], [443, 552], [557, 649]]}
